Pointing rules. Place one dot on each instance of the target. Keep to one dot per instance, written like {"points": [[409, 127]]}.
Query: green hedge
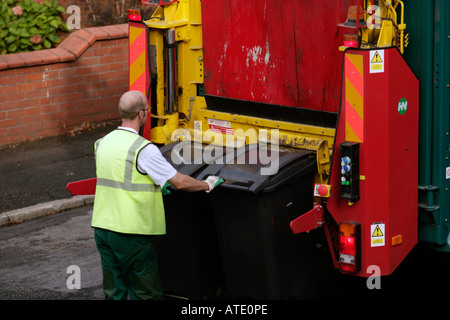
{"points": [[27, 25]]}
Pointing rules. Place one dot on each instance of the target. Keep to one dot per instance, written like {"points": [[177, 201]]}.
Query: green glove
{"points": [[165, 190], [213, 181]]}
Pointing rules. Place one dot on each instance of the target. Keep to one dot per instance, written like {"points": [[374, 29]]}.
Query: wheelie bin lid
{"points": [[184, 157], [242, 172]]}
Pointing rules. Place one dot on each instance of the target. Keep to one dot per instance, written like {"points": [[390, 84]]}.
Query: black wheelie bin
{"points": [[261, 258], [188, 254]]}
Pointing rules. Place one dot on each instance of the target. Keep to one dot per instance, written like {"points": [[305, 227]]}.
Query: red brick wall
{"points": [[57, 91]]}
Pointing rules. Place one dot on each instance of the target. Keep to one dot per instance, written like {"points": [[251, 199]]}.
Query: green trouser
{"points": [[129, 266]]}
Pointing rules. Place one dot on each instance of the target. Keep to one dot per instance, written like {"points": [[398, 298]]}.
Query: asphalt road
{"points": [[36, 258]]}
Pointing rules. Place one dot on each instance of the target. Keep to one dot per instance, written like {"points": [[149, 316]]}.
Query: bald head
{"points": [[131, 103]]}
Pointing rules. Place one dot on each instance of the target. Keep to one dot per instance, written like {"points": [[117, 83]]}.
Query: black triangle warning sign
{"points": [[377, 232], [376, 58]]}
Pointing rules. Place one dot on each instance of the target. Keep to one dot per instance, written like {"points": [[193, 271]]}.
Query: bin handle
{"points": [[234, 186]]}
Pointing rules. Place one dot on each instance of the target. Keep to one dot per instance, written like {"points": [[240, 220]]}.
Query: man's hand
{"points": [[213, 181]]}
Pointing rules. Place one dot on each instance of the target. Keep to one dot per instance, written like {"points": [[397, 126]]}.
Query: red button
{"points": [[323, 191]]}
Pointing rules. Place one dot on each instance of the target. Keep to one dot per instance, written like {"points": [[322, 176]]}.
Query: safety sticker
{"points": [[377, 61], [447, 173], [220, 126], [377, 232]]}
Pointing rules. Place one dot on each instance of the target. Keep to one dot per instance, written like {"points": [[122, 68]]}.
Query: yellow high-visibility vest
{"points": [[126, 200]]}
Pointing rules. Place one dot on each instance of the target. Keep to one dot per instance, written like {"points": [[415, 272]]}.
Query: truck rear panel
{"points": [[276, 52]]}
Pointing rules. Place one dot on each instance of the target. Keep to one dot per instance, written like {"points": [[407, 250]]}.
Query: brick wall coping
{"points": [[68, 50]]}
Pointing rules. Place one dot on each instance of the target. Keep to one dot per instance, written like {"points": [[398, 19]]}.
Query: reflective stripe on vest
{"points": [[125, 186]]}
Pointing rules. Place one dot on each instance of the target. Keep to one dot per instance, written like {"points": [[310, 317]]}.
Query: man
{"points": [[128, 204]]}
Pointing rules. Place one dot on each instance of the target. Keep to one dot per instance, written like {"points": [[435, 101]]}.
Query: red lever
{"points": [[82, 187], [308, 221]]}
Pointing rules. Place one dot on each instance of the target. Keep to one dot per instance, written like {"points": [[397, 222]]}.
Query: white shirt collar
{"points": [[128, 129]]}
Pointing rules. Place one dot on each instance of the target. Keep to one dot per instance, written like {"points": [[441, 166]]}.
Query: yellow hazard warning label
{"points": [[376, 61], [377, 231], [376, 58]]}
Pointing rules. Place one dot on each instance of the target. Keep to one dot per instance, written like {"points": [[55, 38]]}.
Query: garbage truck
{"points": [[327, 120]]}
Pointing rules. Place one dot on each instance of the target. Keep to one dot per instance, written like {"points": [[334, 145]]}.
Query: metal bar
{"points": [[171, 69]]}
